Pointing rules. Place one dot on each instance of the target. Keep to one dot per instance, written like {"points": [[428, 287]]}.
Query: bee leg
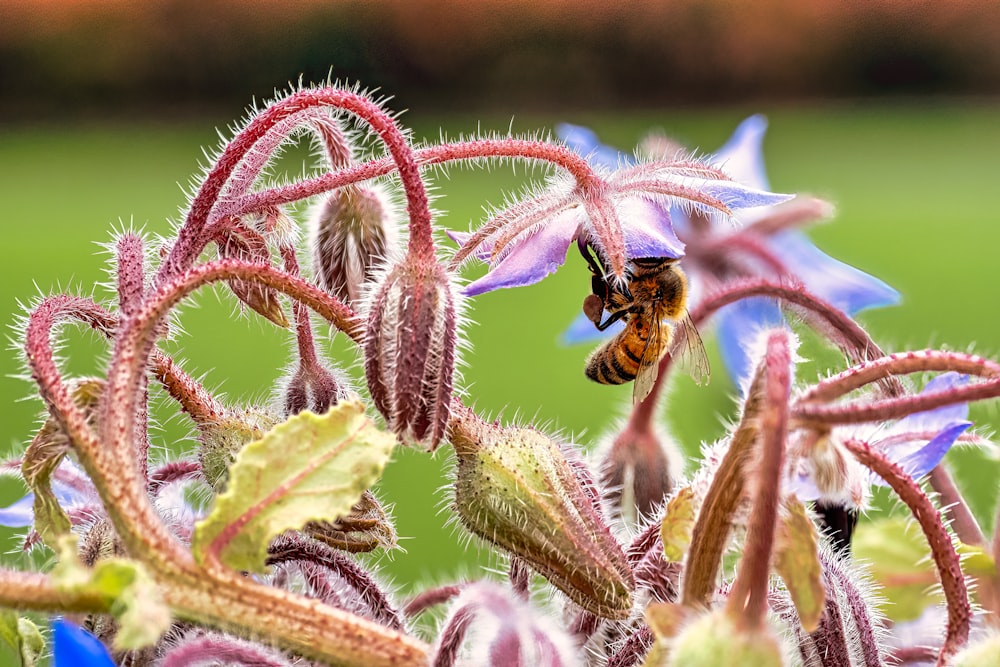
{"points": [[612, 318], [586, 250]]}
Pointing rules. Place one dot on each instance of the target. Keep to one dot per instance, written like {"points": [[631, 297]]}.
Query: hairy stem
{"points": [[747, 604], [191, 239], [711, 530], [942, 549]]}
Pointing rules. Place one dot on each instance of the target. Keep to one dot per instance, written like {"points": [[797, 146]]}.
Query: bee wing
{"points": [[688, 350], [649, 365]]}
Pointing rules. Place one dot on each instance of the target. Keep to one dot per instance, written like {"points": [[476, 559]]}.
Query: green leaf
{"points": [[43, 456], [22, 636], [132, 595], [310, 468], [678, 522], [797, 563], [976, 560], [900, 561]]}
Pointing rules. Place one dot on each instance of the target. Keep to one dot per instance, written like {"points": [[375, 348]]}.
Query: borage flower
{"points": [[622, 214], [765, 243], [917, 443]]}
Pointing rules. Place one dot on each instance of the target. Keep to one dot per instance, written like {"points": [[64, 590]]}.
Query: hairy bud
{"points": [[410, 349], [515, 489], [313, 387], [223, 438], [714, 639], [237, 241], [638, 472], [352, 232]]}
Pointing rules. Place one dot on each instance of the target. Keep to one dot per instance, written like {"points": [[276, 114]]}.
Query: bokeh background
{"points": [[888, 109]]}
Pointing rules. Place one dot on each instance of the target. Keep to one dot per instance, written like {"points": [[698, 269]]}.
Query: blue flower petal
{"points": [[737, 325], [72, 646], [20, 514], [742, 157], [736, 195], [531, 258], [647, 229], [935, 420], [844, 286], [920, 462], [584, 141], [582, 330]]}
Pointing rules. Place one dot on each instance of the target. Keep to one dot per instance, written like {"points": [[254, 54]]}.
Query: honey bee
{"points": [[653, 305]]}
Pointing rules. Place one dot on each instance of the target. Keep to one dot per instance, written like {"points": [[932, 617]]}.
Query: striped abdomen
{"points": [[617, 361]]}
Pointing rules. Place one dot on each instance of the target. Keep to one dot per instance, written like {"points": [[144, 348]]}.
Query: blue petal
{"points": [[844, 286], [737, 326], [737, 195], [584, 141], [19, 514], [920, 462], [72, 646], [531, 258], [935, 420], [647, 229], [582, 330], [742, 157]]}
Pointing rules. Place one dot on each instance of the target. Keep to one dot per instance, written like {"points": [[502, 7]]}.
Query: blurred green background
{"points": [[887, 109]]}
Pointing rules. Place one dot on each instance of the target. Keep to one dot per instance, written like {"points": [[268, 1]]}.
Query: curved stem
{"points": [[440, 154], [843, 331], [191, 239], [893, 408], [902, 363], [947, 560]]}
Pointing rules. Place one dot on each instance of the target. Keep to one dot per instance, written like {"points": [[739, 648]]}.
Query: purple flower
{"points": [[72, 646], [916, 443], [626, 217], [713, 254]]}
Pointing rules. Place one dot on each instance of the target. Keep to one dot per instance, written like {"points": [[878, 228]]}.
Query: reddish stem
{"points": [[902, 363], [463, 150], [131, 284], [893, 408], [191, 239], [953, 506], [747, 604], [843, 331], [431, 597], [943, 551]]}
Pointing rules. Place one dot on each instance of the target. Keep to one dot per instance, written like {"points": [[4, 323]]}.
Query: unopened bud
{"points": [[237, 241], [514, 489], [714, 639], [366, 528], [410, 349], [223, 438], [638, 472], [352, 233], [313, 387]]}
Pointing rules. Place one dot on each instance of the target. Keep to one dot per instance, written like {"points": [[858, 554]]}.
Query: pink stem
{"points": [[131, 284], [894, 408], [463, 150], [902, 363], [747, 603], [942, 549], [430, 598], [191, 239]]}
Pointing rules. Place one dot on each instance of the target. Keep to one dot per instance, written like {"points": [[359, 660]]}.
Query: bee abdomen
{"points": [[614, 363]]}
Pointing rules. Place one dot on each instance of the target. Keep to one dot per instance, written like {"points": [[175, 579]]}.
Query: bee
{"points": [[653, 305]]}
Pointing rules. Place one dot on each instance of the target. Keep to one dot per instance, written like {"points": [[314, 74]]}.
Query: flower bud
{"points": [[638, 472], [223, 438], [237, 241], [352, 233], [314, 387], [714, 639], [410, 349], [981, 653], [514, 489]]}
